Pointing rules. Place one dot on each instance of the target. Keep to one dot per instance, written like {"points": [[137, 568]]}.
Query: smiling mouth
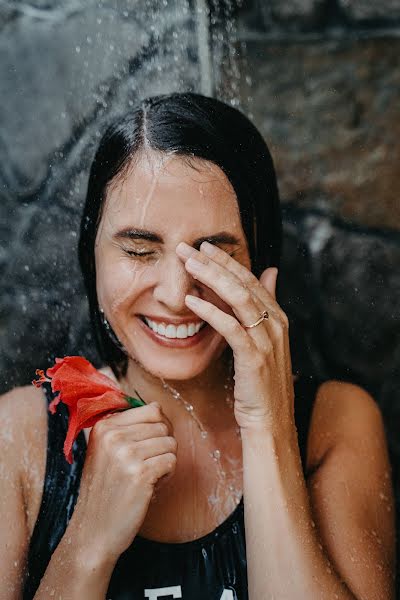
{"points": [[169, 331]]}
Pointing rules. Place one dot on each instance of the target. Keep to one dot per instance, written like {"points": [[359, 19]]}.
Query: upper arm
{"points": [[14, 537], [350, 489]]}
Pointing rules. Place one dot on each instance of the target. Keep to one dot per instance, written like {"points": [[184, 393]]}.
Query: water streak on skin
{"points": [[165, 195], [155, 168]]}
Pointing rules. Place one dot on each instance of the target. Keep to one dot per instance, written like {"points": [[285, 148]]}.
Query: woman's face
{"points": [[160, 202]]}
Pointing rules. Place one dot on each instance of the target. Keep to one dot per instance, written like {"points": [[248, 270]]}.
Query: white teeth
{"points": [[171, 331], [182, 331]]}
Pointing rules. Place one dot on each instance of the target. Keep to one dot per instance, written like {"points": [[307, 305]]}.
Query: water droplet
{"points": [[213, 499], [216, 454], [204, 434], [189, 407]]}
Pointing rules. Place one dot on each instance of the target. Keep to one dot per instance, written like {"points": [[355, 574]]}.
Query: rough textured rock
{"points": [[321, 81], [331, 114], [363, 10], [296, 13], [67, 69], [305, 16]]}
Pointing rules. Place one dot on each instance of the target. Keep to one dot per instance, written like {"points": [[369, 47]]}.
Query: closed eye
{"points": [[133, 253]]}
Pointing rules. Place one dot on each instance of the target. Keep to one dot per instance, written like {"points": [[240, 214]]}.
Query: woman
{"points": [[236, 479]]}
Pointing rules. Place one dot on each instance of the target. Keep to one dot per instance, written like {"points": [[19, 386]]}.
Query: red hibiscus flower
{"points": [[88, 394]]}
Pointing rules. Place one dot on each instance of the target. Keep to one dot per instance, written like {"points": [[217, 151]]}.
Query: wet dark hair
{"points": [[192, 126]]}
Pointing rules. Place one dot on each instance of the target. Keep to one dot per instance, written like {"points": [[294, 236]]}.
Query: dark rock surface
{"points": [[365, 10], [321, 81], [330, 111], [306, 16]]}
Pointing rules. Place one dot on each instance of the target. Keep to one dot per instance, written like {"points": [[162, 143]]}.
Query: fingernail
{"points": [[192, 300], [184, 249], [207, 248]]}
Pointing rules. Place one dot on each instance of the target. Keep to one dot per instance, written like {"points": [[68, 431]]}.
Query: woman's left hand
{"points": [[263, 392]]}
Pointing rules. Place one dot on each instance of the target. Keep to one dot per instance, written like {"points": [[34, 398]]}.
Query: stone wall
{"points": [[321, 81]]}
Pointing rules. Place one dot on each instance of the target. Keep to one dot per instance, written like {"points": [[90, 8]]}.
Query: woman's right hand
{"points": [[128, 453]]}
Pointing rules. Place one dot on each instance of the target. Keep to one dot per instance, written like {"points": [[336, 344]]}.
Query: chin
{"points": [[175, 366], [175, 369]]}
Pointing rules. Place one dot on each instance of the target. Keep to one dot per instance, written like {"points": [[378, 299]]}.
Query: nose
{"points": [[174, 282]]}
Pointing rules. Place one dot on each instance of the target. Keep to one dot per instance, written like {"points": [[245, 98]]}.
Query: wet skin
{"points": [[168, 197]]}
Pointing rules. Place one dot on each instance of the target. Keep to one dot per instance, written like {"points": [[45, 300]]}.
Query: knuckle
{"points": [[243, 296], [136, 469], [267, 350], [99, 428], [258, 361], [108, 437], [171, 460], [223, 257], [121, 453], [173, 443], [163, 428], [156, 410], [234, 326]]}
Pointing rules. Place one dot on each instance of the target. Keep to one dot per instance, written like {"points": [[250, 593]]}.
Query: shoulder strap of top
{"points": [[60, 493], [305, 388]]}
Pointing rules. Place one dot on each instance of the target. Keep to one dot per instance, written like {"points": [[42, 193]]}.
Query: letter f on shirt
{"points": [[175, 591]]}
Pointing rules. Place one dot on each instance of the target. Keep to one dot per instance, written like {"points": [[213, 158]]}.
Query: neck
{"points": [[205, 392]]}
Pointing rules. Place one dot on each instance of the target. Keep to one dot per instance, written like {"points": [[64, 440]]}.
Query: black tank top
{"points": [[212, 567]]}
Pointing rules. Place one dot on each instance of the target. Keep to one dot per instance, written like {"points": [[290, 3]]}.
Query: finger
{"points": [[268, 280], [242, 273], [242, 344], [155, 446], [144, 431], [263, 289], [228, 287], [150, 413], [239, 297]]}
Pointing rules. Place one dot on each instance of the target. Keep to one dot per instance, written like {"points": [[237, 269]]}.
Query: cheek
{"points": [[119, 283]]}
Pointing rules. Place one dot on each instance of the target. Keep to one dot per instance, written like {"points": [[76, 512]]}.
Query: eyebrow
{"points": [[222, 237]]}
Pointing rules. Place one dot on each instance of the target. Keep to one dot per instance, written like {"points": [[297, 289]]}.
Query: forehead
{"points": [[159, 190]]}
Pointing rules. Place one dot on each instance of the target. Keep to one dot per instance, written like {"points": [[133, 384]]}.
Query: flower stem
{"points": [[135, 402]]}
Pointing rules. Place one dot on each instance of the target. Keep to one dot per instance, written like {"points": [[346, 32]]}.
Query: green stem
{"points": [[135, 402]]}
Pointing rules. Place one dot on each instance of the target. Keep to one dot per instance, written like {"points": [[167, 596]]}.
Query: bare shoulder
{"points": [[344, 412], [350, 488], [22, 400], [23, 414]]}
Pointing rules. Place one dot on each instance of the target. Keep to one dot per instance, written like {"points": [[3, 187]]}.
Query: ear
{"points": [[268, 280]]}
